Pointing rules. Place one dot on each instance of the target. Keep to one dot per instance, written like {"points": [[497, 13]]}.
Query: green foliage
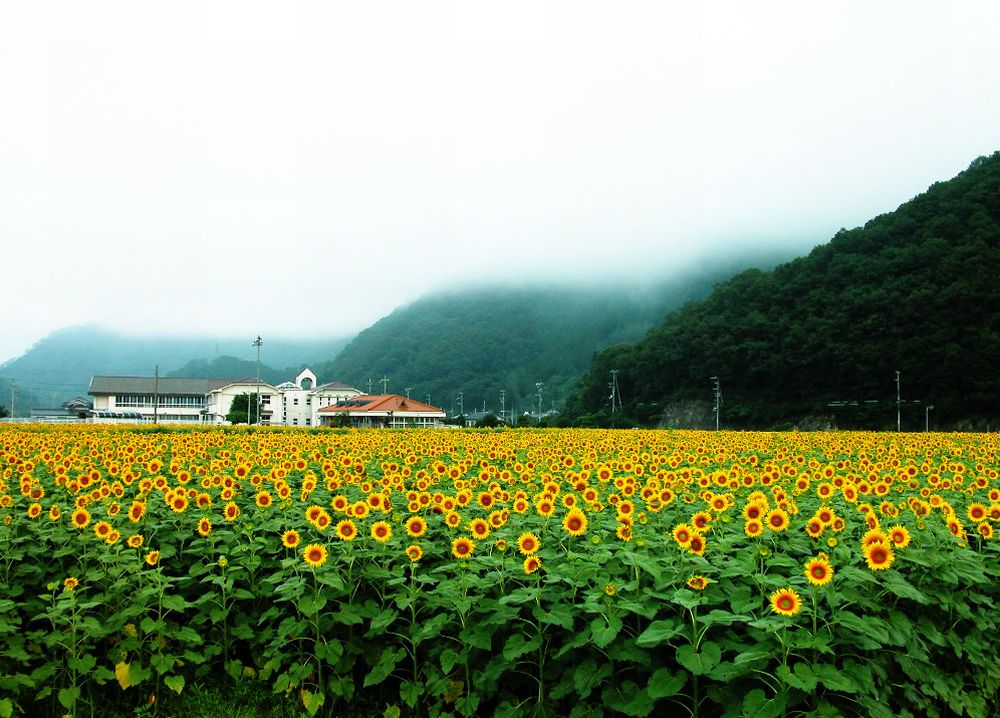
{"points": [[479, 342], [245, 409], [913, 290]]}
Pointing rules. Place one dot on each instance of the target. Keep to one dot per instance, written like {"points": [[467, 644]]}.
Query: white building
{"points": [[208, 401]]}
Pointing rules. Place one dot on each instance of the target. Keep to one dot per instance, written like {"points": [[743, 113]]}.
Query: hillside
{"points": [[914, 290], [59, 366], [479, 342]]}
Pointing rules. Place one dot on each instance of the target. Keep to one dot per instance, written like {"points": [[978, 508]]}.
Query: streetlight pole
{"points": [[256, 343], [897, 402], [927, 417]]}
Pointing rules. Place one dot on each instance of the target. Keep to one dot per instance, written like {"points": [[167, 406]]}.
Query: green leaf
{"points": [[903, 588], [868, 626], [664, 684], [699, 662], [162, 663], [832, 679], [410, 692], [659, 631], [757, 705], [604, 631], [448, 660], [800, 677], [312, 701], [589, 675], [69, 696], [175, 603], [329, 651], [174, 683], [516, 646], [382, 621], [384, 666], [189, 635], [6, 708], [468, 704], [83, 664], [312, 605], [721, 618]]}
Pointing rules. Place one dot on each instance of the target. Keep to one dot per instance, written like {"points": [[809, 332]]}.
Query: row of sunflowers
{"points": [[546, 572]]}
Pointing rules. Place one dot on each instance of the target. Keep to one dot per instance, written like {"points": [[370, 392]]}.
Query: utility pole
{"points": [[539, 385], [385, 384], [503, 399], [369, 386], [615, 392], [256, 343], [461, 406], [717, 391], [156, 396], [12, 397], [408, 390], [927, 417], [428, 398], [897, 401]]}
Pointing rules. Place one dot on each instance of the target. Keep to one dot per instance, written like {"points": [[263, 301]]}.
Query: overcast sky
{"points": [[221, 168]]}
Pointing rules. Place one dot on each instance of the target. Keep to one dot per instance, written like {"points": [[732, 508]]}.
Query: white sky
{"points": [[289, 168]]}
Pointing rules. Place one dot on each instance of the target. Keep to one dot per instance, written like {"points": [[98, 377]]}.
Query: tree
{"points": [[243, 403], [3, 412]]}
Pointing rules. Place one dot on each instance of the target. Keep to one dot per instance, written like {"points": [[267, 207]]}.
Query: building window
{"points": [[308, 422], [296, 401]]}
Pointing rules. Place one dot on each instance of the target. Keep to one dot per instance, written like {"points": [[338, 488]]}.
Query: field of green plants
{"points": [[499, 573]]}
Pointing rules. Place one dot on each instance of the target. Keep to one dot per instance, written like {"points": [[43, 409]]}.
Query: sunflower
{"points": [[545, 507], [290, 539], [414, 552], [985, 530], [899, 535], [102, 529], [754, 510], [346, 530], [610, 589], [416, 526], [878, 556], [178, 503], [977, 512], [683, 534], [314, 555], [462, 548], [34, 511], [381, 531], [532, 564], [81, 518], [453, 519], [479, 528], [575, 523], [814, 527], [753, 528], [698, 583], [697, 544], [786, 602], [528, 543], [818, 571], [152, 558], [873, 536], [71, 583], [777, 520], [264, 499], [204, 526], [232, 511], [55, 512], [135, 541]]}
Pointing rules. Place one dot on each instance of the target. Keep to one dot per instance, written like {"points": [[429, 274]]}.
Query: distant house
{"points": [[385, 410], [77, 408], [208, 401]]}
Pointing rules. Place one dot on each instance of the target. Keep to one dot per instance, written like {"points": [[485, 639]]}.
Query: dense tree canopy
{"points": [[915, 290]]}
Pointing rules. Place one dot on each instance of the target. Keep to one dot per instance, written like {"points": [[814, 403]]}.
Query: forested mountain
{"points": [[479, 342], [915, 290], [59, 366]]}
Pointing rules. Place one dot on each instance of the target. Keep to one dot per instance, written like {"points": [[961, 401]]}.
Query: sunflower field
{"points": [[500, 573]]}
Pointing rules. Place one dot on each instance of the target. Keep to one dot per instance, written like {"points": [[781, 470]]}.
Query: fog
{"points": [[239, 167]]}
